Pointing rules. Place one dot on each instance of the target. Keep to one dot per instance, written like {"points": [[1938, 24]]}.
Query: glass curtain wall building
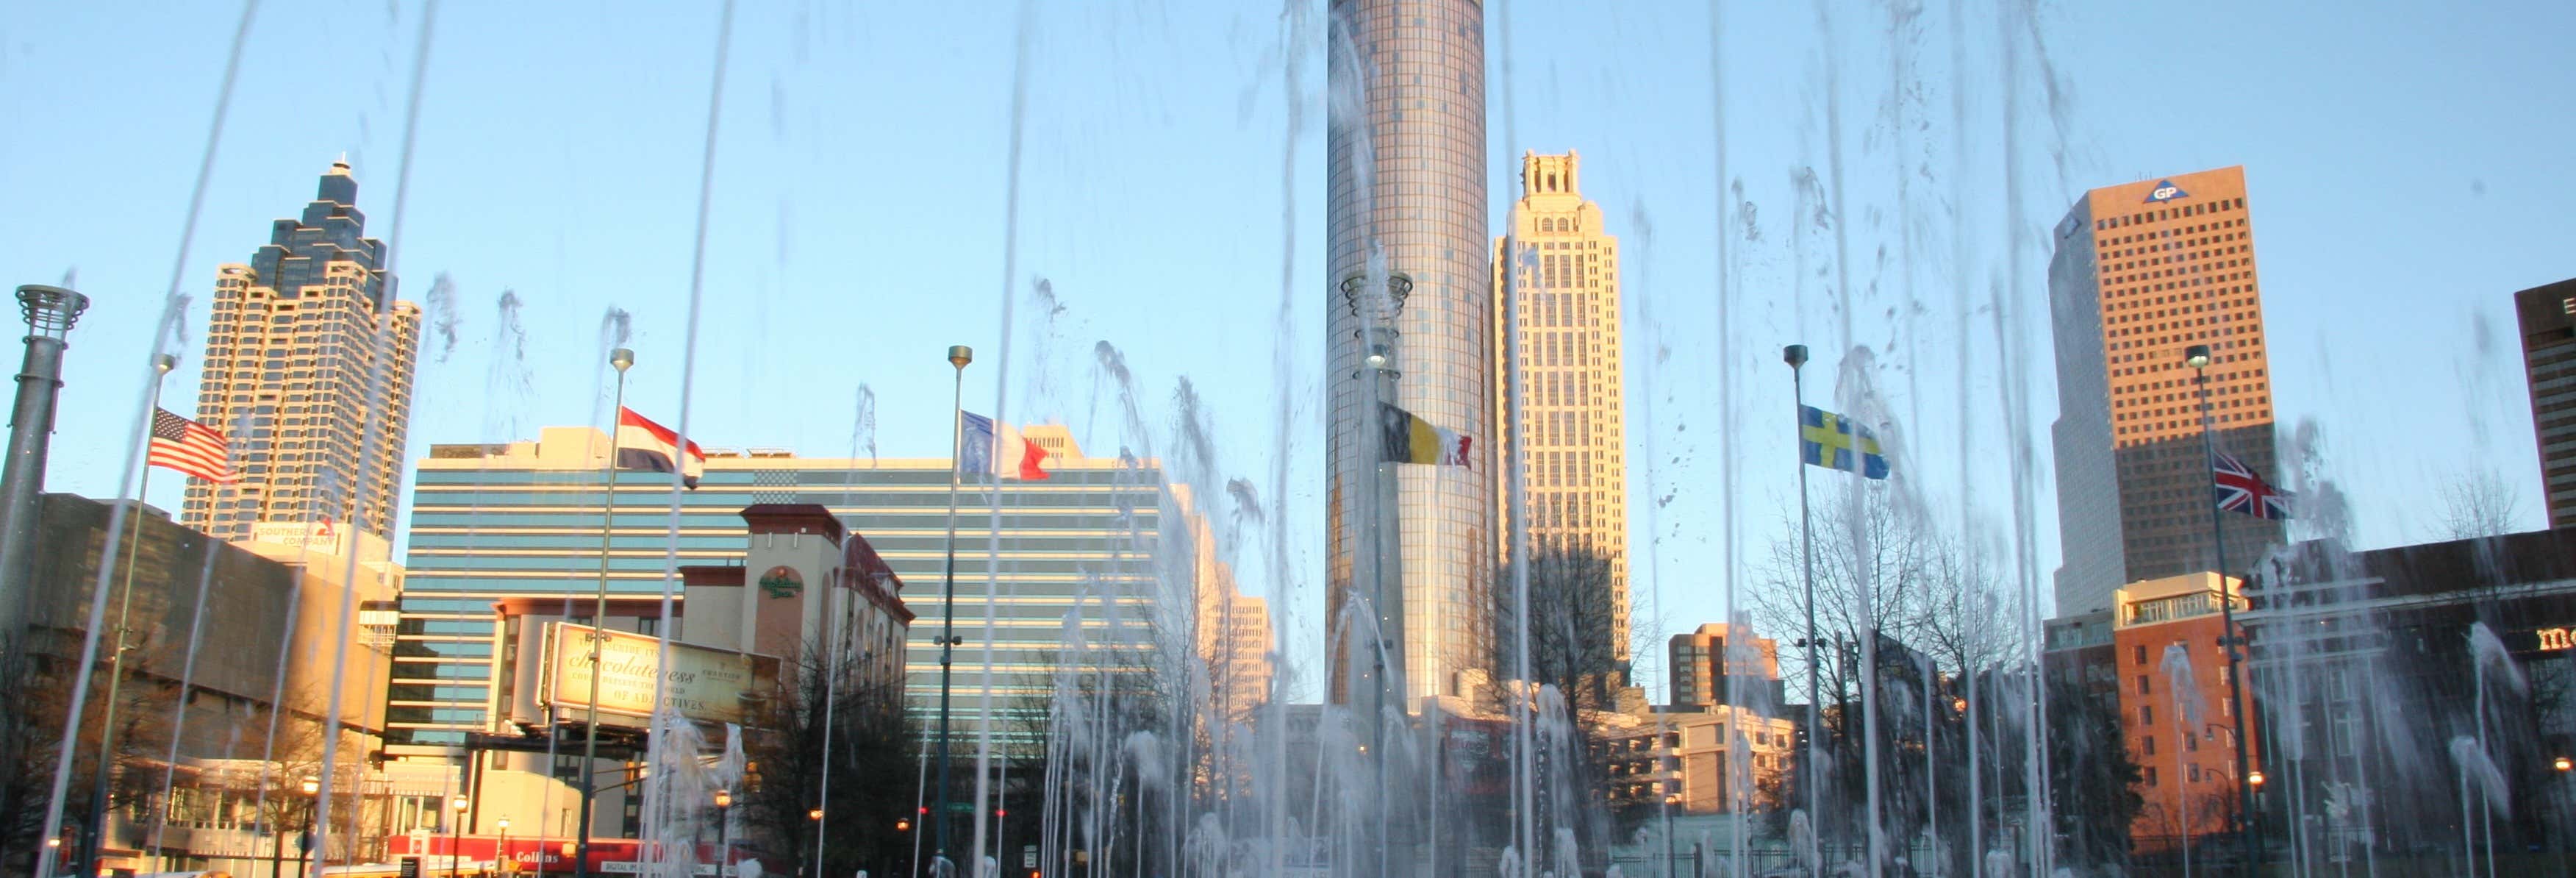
{"points": [[522, 520], [1405, 178]]}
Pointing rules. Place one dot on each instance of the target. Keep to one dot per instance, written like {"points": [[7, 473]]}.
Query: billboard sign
{"points": [[707, 685]]}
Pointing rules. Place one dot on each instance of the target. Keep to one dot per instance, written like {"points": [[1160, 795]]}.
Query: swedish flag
{"points": [[1852, 448]]}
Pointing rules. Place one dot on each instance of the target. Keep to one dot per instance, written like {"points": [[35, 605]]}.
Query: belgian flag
{"points": [[1406, 438]]}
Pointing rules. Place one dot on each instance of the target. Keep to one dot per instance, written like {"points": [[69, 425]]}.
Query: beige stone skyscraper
{"points": [[292, 353], [1570, 435]]}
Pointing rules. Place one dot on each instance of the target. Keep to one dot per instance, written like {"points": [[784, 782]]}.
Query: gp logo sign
{"points": [[2165, 191]]}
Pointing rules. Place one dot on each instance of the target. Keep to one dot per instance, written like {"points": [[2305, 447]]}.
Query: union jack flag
{"points": [[2240, 490]]}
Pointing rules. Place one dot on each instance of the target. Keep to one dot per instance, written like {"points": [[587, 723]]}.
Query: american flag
{"points": [[189, 447], [2240, 490]]}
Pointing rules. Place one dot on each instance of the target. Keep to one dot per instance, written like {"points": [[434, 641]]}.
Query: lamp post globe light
{"points": [[724, 832], [456, 833], [312, 788]]}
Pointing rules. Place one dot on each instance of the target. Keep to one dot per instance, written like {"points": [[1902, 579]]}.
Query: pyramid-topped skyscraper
{"points": [[305, 344]]}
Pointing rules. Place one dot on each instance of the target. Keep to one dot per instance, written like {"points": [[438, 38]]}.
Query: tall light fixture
{"points": [[2247, 828], [619, 359], [94, 830], [455, 833], [958, 357], [312, 787], [724, 832]]}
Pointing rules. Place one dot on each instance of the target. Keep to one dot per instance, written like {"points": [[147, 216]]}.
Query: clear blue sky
{"points": [[2407, 167]]}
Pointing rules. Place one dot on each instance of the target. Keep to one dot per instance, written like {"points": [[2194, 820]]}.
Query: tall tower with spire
{"points": [[1559, 270], [1407, 302], [306, 353]]}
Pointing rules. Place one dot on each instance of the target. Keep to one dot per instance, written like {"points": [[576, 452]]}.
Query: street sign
{"points": [[1028, 856], [961, 807]]}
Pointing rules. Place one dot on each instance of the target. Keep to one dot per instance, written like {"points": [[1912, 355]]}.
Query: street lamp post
{"points": [[94, 835], [815, 816], [456, 835], [958, 357], [501, 859], [2248, 829], [724, 831], [304, 843], [2563, 766], [619, 359]]}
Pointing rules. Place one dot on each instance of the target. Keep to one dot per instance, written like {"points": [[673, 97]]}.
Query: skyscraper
{"points": [[1405, 229], [293, 354], [1568, 437], [2142, 272], [2547, 316]]}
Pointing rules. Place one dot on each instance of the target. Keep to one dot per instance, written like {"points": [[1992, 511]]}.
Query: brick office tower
{"points": [[2547, 315], [2142, 272], [292, 358]]}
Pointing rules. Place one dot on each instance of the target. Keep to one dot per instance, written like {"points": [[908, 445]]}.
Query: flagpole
{"points": [[620, 359], [2248, 829], [1796, 356], [94, 835], [958, 356]]}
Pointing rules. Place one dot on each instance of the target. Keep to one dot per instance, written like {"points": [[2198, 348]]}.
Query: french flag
{"points": [[644, 445], [999, 449]]}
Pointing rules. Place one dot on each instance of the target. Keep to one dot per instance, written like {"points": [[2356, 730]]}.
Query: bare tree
{"points": [[1571, 616], [1888, 574], [1871, 557], [2478, 504], [142, 736], [870, 763]]}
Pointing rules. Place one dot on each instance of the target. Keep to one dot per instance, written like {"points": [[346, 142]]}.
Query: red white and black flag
{"points": [[2240, 490], [644, 445], [189, 447]]}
